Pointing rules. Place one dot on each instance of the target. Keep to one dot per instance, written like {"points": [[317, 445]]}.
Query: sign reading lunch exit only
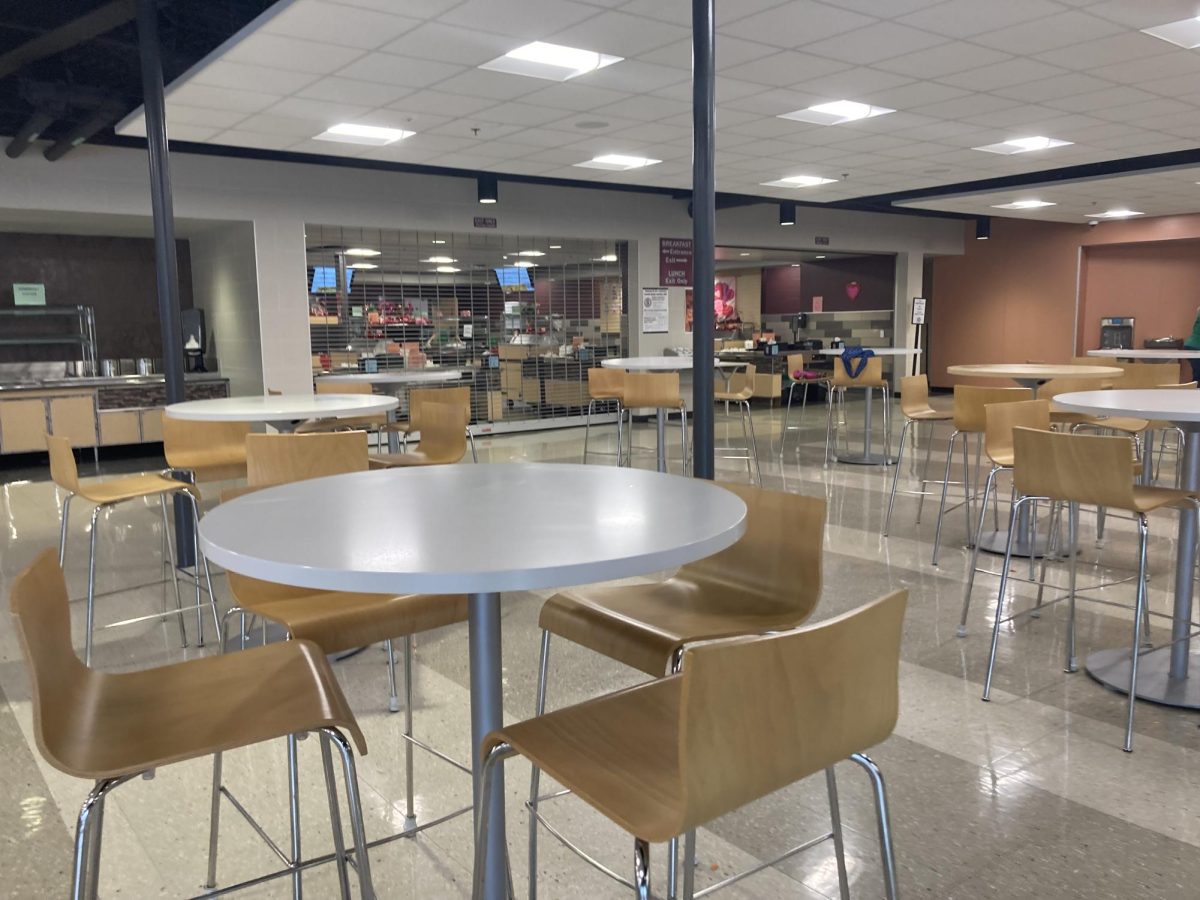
{"points": [[675, 257]]}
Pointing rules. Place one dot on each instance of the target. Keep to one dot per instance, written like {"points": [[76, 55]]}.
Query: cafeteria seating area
{"points": [[578, 449]]}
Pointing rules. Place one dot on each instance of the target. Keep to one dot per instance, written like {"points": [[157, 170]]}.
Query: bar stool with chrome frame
{"points": [[658, 391], [914, 406], [797, 363], [741, 396], [605, 386], [870, 378]]}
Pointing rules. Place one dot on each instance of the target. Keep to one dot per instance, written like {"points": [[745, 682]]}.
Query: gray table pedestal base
{"points": [[487, 715], [997, 541], [1111, 669]]}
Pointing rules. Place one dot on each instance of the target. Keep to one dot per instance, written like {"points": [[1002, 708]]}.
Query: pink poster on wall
{"points": [[725, 298], [818, 304]]}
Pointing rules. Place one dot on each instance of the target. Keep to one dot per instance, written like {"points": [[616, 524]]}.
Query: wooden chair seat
{"points": [[411, 458], [131, 487], [443, 428], [741, 396], [1147, 498]]}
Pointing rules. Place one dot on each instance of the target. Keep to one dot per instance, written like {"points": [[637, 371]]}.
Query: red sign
{"points": [[675, 262]]}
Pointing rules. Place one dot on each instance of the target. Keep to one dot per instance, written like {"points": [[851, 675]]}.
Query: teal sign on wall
{"points": [[29, 294]]}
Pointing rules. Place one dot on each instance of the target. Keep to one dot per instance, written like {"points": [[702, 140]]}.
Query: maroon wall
{"points": [[789, 289]]}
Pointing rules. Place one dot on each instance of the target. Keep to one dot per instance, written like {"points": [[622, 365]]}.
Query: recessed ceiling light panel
{"points": [[799, 181], [553, 62], [368, 135], [362, 251], [447, 270], [607, 257], [524, 264], [1023, 204], [1120, 213], [530, 253], [362, 265], [837, 113], [616, 162], [1185, 33], [1023, 145], [440, 259]]}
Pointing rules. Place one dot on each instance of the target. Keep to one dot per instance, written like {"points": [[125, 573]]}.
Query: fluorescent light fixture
{"points": [[837, 113], [795, 265], [553, 62], [819, 256], [743, 254], [437, 241], [530, 253], [1185, 33], [524, 264], [1119, 213], [1023, 145], [616, 162], [799, 181], [556, 246], [361, 251], [1023, 204], [447, 270], [440, 259], [370, 135], [362, 265], [607, 257]]}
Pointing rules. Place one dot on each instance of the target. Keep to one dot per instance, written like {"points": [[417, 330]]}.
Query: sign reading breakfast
{"points": [[675, 262]]}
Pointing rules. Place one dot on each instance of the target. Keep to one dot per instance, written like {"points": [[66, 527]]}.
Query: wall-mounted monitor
{"points": [[514, 278], [324, 280]]}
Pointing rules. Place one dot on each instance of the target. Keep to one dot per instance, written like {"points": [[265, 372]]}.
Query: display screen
{"points": [[324, 279], [514, 278]]}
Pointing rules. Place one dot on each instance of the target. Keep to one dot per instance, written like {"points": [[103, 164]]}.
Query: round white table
{"points": [[869, 457], [397, 380], [478, 530], [282, 411], [1163, 673], [1181, 353]]}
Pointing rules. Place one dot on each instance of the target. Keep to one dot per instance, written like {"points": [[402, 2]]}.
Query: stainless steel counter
{"points": [[119, 381]]}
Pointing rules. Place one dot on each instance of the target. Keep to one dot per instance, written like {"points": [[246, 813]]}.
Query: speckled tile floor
{"points": [[1028, 796]]}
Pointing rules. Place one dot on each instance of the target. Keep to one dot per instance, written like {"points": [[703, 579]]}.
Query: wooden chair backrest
{"points": [[59, 681], [914, 394], [760, 713], [741, 380], [443, 431], [970, 401], [605, 383], [1056, 386], [459, 396], [273, 459], [871, 376], [63, 470], [1094, 470], [1002, 418], [271, 392], [776, 565], [324, 386], [190, 445], [795, 363], [652, 390], [1146, 375]]}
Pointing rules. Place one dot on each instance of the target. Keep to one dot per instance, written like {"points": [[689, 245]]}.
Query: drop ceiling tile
{"points": [[777, 102], [289, 127], [783, 68], [872, 43], [620, 34], [966, 105], [1117, 48], [447, 43], [1052, 88], [332, 23], [517, 113], [543, 137], [1002, 74], [1050, 33], [488, 131], [398, 70], [477, 83], [681, 13], [636, 77], [291, 54], [893, 8], [441, 103], [644, 107], [945, 59], [404, 119], [417, 9], [238, 138], [1112, 96], [441, 143], [193, 133], [328, 148], [795, 23], [1161, 106], [193, 94], [1144, 13], [964, 18], [860, 83], [1182, 87], [656, 132], [368, 93], [181, 114], [573, 95], [729, 90], [530, 20], [910, 96], [768, 127], [223, 73], [320, 112], [1173, 63]]}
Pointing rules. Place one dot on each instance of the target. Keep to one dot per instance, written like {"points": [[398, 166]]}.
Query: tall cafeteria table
{"points": [[868, 457], [394, 380], [1032, 376], [1163, 673], [527, 526], [281, 411]]}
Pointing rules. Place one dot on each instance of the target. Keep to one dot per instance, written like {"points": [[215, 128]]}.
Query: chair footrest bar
{"points": [[753, 870], [416, 742], [578, 851]]}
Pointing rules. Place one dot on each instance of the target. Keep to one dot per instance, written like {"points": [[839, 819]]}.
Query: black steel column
{"points": [[165, 262], [704, 214]]}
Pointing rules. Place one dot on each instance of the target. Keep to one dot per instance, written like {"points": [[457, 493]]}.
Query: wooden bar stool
{"points": [[914, 406], [110, 492], [417, 397], [770, 580], [869, 379], [658, 391], [443, 439], [796, 362], [741, 719], [741, 390], [110, 728], [1091, 470], [376, 423], [605, 386], [970, 419]]}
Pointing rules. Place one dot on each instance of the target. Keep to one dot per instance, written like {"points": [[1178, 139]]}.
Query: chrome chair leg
{"points": [[787, 411], [91, 590], [88, 827], [335, 819], [886, 851], [937, 534], [410, 814], [471, 441], [689, 865], [1136, 649], [214, 823], [202, 562], [587, 427], [828, 422], [393, 696], [673, 869], [1072, 664], [987, 489], [535, 778], [924, 469], [968, 479], [357, 829], [839, 847], [1012, 534], [620, 434], [887, 520], [641, 869], [494, 760], [94, 844], [293, 766], [62, 535], [754, 445], [162, 502]]}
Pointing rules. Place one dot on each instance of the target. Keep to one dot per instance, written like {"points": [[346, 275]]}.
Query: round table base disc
{"points": [[859, 459], [997, 541], [1111, 669]]}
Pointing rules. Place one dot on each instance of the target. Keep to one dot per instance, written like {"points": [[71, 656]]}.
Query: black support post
{"points": [[165, 261], [704, 214]]}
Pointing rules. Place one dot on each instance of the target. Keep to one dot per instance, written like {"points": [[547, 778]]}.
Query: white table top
{"points": [[1147, 403], [1034, 371], [281, 407], [649, 363], [1183, 353], [474, 529], [397, 376], [878, 351]]}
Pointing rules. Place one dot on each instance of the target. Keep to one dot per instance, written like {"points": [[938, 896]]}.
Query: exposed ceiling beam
{"points": [[100, 20]]}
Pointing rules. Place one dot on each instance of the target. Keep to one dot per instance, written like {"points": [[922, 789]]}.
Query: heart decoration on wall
{"points": [[852, 290]]}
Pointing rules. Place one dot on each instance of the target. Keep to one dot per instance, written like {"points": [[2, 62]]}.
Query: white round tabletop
{"points": [[473, 529], [281, 407], [878, 351], [1033, 371], [396, 376], [1182, 353], [1148, 403], [649, 363]]}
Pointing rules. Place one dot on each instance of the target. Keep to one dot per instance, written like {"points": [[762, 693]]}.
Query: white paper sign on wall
{"points": [[655, 311], [918, 311]]}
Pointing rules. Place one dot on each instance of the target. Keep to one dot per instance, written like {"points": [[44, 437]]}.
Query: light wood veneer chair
{"points": [[869, 379], [914, 406], [443, 429], [656, 390], [797, 362], [110, 492], [741, 719], [740, 391], [378, 422], [970, 418], [770, 580], [110, 728], [205, 451], [1090, 470], [417, 397], [605, 385]]}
